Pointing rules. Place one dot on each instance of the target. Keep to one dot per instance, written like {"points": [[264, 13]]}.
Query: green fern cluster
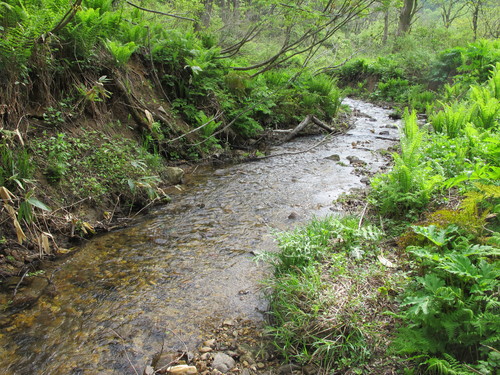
{"points": [[408, 187], [452, 312], [24, 24], [452, 119]]}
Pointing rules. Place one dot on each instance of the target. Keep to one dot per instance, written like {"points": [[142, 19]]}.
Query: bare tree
{"points": [[450, 10], [303, 26]]}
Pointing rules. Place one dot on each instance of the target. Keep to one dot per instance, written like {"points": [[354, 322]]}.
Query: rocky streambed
{"points": [[174, 281]]}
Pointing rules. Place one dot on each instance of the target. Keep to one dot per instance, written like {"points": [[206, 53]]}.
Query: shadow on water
{"points": [[184, 269]]}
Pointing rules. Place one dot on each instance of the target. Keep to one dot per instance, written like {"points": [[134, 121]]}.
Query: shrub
{"points": [[451, 313]]}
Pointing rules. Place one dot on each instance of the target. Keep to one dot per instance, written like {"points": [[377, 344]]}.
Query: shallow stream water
{"points": [[187, 267]]}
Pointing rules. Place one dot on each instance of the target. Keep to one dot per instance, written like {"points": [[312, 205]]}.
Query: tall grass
{"points": [[321, 307]]}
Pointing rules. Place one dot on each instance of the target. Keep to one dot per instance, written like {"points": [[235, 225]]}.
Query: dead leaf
{"points": [[86, 227], [386, 262], [19, 136], [12, 212], [43, 243], [6, 195], [150, 118], [19, 231]]}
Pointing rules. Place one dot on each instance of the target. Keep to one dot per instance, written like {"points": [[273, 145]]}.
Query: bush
{"points": [[452, 313]]}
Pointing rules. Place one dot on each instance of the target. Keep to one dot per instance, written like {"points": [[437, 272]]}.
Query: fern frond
{"points": [[447, 366]]}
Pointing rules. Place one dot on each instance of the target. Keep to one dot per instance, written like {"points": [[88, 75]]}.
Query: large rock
{"points": [[223, 362], [174, 175]]}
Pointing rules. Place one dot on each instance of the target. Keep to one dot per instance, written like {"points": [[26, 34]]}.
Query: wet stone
{"points": [[333, 157], [365, 180], [210, 343], [174, 175], [355, 160], [287, 369]]}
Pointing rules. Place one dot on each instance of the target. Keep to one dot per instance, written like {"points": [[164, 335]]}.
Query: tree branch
{"points": [[158, 12]]}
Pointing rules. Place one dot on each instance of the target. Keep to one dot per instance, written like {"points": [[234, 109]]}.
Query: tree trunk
{"points": [[475, 17], [207, 15], [386, 26], [406, 16]]}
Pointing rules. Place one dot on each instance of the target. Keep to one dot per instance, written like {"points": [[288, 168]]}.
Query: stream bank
{"points": [[186, 268]]}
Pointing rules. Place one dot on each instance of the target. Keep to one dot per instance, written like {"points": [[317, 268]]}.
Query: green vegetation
{"points": [[445, 182], [115, 168], [447, 290], [326, 294], [187, 79]]}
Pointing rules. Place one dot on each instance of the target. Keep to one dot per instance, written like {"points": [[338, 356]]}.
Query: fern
{"points": [[486, 108], [494, 82], [447, 366], [121, 52], [452, 119], [28, 23], [455, 305]]}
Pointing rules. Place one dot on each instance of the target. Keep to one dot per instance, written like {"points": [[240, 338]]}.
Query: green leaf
{"points": [[460, 265], [436, 235], [419, 304], [431, 282], [35, 202]]}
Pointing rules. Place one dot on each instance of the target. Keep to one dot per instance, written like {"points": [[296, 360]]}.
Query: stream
{"points": [[186, 267]]}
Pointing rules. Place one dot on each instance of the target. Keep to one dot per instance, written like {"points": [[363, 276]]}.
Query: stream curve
{"points": [[187, 266]]}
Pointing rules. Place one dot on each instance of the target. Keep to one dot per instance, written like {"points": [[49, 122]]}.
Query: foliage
{"points": [[121, 52], [408, 187], [451, 120], [451, 313], [97, 166], [313, 319], [16, 167]]}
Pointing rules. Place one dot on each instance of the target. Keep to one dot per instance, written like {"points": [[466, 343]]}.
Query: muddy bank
{"points": [[187, 267]]}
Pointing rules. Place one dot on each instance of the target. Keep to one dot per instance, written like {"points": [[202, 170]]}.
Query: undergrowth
{"points": [[100, 167], [328, 294]]}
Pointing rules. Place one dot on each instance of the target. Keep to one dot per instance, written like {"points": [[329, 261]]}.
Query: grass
{"points": [[328, 296]]}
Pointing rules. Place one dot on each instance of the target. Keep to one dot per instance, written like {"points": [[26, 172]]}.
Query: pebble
{"points": [[210, 343], [182, 369], [223, 362], [205, 349]]}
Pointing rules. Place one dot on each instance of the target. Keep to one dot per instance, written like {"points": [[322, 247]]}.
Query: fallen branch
{"points": [[327, 137], [298, 128], [309, 118], [322, 125]]}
